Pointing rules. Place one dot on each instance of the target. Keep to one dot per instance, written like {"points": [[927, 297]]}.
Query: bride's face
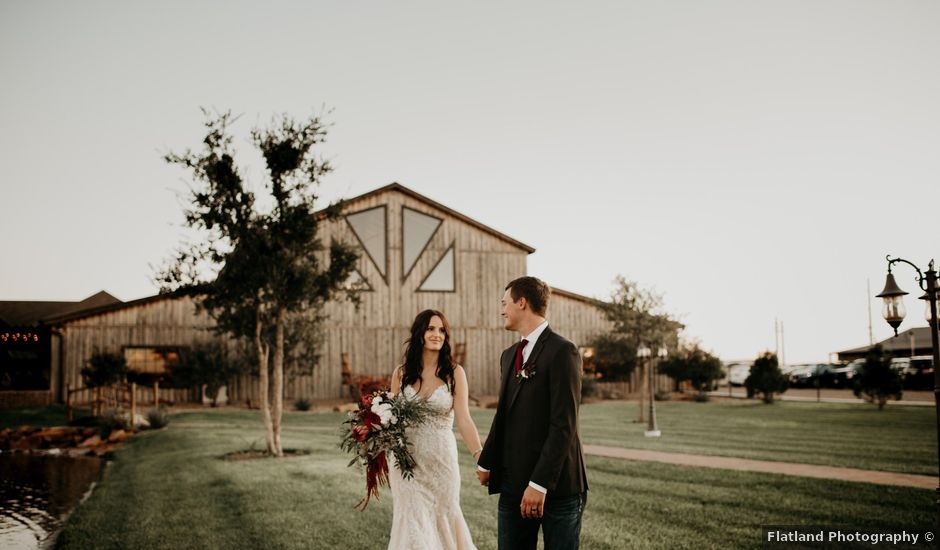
{"points": [[434, 335]]}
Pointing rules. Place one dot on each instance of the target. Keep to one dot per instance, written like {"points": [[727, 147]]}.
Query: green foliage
{"points": [[158, 418], [104, 369], [701, 397], [302, 404], [765, 378], [637, 318], [877, 380], [238, 289], [614, 356], [210, 364], [694, 364]]}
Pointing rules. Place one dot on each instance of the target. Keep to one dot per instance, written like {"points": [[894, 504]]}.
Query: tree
{"points": [[766, 378], [694, 364], [208, 364], [637, 318], [877, 380], [104, 369], [255, 268]]}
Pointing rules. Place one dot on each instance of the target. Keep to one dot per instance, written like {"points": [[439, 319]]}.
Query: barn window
{"points": [[369, 226], [417, 230], [357, 282], [442, 277], [151, 360]]}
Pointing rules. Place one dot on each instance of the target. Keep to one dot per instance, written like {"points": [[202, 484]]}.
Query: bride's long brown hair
{"points": [[414, 351]]}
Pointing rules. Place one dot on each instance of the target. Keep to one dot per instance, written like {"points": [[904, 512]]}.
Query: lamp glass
{"points": [[926, 300], [893, 310]]}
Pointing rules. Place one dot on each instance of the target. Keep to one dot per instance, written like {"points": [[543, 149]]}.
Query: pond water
{"points": [[37, 492]]}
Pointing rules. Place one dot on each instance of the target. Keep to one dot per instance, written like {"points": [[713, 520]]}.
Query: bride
{"points": [[426, 509]]}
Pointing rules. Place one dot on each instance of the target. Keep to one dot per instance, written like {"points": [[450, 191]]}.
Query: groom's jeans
{"points": [[560, 523]]}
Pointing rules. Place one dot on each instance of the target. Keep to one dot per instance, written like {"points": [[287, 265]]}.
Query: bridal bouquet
{"points": [[377, 428]]}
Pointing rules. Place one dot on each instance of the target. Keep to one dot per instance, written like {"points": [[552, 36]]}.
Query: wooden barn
{"points": [[416, 254]]}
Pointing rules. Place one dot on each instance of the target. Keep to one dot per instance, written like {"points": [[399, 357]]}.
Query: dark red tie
{"points": [[522, 345]]}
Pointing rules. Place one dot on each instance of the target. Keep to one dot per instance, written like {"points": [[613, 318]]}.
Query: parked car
{"points": [[803, 376], [916, 372], [737, 373]]}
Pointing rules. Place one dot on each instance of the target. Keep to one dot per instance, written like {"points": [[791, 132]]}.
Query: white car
{"points": [[737, 373]]}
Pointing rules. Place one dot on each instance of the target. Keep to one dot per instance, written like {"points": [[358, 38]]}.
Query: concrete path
{"points": [[767, 466]]}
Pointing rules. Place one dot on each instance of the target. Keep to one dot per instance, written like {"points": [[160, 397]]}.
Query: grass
{"points": [[169, 489], [897, 439]]}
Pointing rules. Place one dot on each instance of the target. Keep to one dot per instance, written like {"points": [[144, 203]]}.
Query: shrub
{"points": [[662, 395], [158, 418], [695, 365], [701, 397], [208, 364], [104, 369], [877, 380], [112, 420], [588, 388], [302, 404], [765, 378]]}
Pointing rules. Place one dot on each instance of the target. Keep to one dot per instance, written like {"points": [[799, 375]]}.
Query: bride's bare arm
{"points": [[465, 425], [396, 380]]}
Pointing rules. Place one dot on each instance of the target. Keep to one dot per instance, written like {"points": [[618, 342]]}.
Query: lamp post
{"points": [[651, 429], [643, 353], [893, 313]]}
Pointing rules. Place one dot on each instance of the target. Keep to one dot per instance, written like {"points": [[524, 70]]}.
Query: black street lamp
{"points": [[894, 313]]}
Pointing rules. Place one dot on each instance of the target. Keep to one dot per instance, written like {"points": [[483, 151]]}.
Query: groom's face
{"points": [[511, 311]]}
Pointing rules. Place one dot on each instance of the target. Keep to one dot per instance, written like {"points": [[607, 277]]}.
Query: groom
{"points": [[532, 456]]}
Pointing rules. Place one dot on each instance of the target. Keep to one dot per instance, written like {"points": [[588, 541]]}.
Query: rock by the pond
{"points": [[118, 435], [92, 441]]}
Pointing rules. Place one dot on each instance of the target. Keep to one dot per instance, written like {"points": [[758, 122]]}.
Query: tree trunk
{"points": [[768, 397], [263, 388], [881, 402], [278, 380]]}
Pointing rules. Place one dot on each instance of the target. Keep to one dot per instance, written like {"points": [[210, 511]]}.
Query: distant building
{"points": [[910, 343], [416, 254]]}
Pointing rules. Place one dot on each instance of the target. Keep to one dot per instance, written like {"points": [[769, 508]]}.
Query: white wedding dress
{"points": [[426, 511]]}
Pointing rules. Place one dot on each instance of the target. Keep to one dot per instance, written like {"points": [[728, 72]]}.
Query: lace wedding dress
{"points": [[426, 511]]}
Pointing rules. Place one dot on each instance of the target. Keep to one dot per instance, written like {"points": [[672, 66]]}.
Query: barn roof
{"points": [[397, 187], [107, 308], [31, 313]]}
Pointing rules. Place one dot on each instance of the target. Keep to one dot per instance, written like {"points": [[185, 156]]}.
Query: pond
{"points": [[37, 492]]}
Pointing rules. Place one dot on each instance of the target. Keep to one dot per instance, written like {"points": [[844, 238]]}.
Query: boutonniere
{"points": [[527, 371]]}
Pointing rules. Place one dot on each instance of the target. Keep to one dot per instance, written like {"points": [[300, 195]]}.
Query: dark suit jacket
{"points": [[535, 434]]}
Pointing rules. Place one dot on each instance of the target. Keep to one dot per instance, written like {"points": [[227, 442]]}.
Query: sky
{"points": [[751, 161]]}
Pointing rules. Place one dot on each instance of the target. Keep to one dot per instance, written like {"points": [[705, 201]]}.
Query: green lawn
{"points": [[169, 489], [897, 439]]}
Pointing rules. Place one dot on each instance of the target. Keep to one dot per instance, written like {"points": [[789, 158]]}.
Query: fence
{"points": [[117, 395]]}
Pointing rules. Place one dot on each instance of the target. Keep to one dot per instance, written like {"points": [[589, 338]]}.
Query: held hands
{"points": [[484, 477], [533, 504]]}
